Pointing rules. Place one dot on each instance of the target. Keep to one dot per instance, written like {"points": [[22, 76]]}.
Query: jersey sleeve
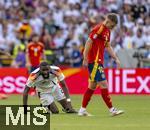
{"points": [[57, 71], [31, 80], [96, 32], [60, 75]]}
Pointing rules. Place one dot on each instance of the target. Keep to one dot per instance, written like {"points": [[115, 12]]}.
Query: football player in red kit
{"points": [[93, 58]]}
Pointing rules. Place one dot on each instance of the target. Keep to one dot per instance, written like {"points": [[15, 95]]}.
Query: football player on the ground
{"points": [[46, 81]]}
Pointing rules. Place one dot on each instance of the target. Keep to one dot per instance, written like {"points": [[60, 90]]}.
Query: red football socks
{"points": [[87, 97], [106, 97]]}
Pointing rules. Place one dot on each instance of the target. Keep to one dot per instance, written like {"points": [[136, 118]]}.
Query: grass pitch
{"points": [[136, 116]]}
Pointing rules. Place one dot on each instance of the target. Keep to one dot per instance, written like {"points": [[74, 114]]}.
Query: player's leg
{"points": [[67, 107], [92, 68], [60, 97], [104, 93], [88, 94], [86, 99], [47, 101], [53, 108], [107, 99]]}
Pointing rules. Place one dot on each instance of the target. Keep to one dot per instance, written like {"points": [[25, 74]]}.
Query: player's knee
{"points": [[53, 108], [55, 111], [103, 84], [92, 86]]}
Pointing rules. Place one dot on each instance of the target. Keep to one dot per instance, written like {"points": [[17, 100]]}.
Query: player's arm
{"points": [[113, 54], [29, 84], [65, 89], [28, 64], [25, 95], [25, 98], [87, 48], [63, 84], [68, 99]]}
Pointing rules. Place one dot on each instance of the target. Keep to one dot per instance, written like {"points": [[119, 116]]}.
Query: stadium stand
{"points": [[62, 23]]}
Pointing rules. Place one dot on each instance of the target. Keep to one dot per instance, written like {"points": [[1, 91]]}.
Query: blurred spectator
{"points": [[76, 57], [20, 60], [59, 39], [60, 23], [65, 58], [139, 39], [128, 40], [25, 30], [47, 40], [138, 9], [146, 57], [5, 58], [36, 24]]}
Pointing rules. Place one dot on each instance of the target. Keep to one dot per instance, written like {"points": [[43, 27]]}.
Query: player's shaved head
{"points": [[44, 63], [44, 69]]}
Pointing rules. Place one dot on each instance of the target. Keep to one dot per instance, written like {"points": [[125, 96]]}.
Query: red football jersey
{"points": [[100, 35], [35, 52]]}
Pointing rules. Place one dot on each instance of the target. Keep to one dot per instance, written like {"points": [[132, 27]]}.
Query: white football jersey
{"points": [[37, 81]]}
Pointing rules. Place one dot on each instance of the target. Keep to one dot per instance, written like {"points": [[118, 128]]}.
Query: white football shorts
{"points": [[48, 98]]}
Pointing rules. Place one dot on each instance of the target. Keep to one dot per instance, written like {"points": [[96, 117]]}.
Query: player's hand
{"points": [[118, 63], [85, 62]]}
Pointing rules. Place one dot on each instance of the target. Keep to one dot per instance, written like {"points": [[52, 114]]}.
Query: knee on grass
{"points": [[55, 111]]}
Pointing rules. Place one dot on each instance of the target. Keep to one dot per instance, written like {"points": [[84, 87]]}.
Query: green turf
{"points": [[136, 117]]}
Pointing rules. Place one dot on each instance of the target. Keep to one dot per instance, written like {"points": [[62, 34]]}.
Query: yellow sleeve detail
{"points": [[100, 30]]}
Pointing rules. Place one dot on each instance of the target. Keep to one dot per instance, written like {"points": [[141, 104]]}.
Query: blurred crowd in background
{"points": [[63, 27]]}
